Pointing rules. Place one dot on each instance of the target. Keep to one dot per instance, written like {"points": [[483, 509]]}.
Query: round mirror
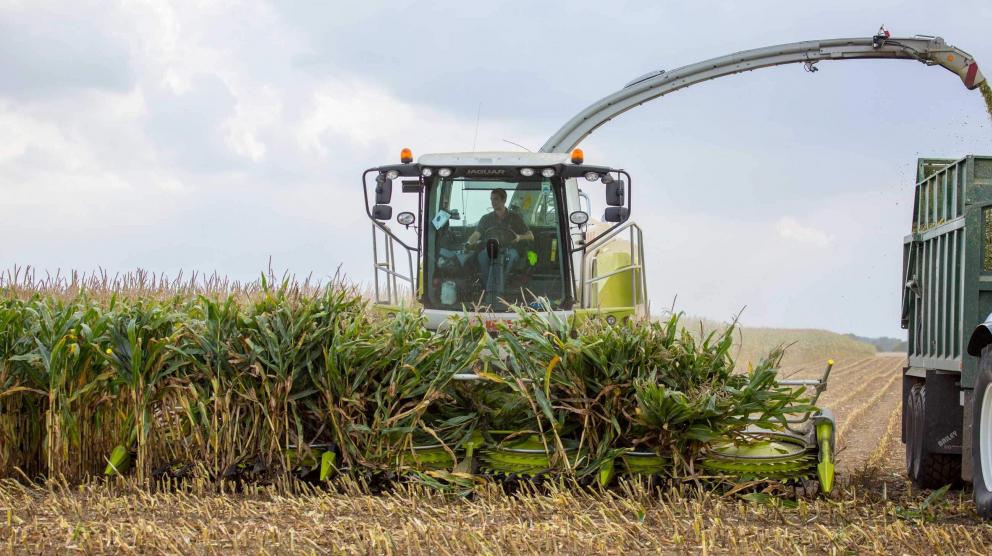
{"points": [[405, 218], [578, 217]]}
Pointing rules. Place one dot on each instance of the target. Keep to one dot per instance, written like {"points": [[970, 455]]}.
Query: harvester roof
{"points": [[494, 159]]}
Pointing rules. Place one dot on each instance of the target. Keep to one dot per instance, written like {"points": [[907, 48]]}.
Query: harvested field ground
{"points": [[874, 509]]}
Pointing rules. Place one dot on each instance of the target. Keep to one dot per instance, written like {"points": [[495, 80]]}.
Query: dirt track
{"points": [[864, 396]]}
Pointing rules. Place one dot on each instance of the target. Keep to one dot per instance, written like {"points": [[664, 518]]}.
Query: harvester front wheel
{"points": [[926, 469], [982, 439]]}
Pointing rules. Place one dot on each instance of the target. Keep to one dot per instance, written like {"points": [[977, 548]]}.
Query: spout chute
{"points": [[928, 50]]}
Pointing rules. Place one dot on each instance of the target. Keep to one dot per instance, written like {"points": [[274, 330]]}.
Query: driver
{"points": [[500, 223]]}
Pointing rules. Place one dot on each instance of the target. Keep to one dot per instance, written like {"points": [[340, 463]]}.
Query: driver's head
{"points": [[498, 198]]}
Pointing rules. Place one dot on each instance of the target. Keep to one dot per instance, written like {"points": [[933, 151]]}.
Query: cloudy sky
{"points": [[213, 136]]}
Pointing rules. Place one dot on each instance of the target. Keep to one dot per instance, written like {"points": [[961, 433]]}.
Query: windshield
{"points": [[492, 243]]}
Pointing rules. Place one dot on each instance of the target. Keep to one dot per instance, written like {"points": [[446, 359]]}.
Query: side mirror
{"points": [[578, 217], [382, 212], [383, 190], [615, 193], [406, 218], [616, 214]]}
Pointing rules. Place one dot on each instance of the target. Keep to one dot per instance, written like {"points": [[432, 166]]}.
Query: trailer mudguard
{"points": [[943, 415]]}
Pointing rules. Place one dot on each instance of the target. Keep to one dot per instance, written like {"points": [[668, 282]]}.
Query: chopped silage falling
{"points": [[986, 91]]}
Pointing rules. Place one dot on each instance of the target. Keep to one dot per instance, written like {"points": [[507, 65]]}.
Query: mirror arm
{"points": [[376, 223], [628, 197]]}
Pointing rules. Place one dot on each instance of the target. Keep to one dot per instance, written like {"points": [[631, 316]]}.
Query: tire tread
{"points": [[935, 470]]}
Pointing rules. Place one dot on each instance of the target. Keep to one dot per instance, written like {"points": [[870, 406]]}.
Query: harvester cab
{"points": [[491, 230]]}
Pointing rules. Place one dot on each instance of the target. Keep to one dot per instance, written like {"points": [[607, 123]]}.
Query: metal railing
{"points": [[388, 280], [589, 277]]}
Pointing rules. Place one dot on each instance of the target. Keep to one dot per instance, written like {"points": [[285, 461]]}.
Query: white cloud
{"points": [[257, 111], [364, 115], [791, 229]]}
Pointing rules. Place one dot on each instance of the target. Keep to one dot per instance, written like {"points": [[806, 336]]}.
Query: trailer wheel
{"points": [[982, 439], [926, 469]]}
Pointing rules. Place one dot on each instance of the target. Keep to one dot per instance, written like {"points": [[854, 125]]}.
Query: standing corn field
{"points": [[264, 384]]}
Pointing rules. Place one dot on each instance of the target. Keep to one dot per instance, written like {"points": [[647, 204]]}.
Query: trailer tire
{"points": [[926, 469], [982, 436]]}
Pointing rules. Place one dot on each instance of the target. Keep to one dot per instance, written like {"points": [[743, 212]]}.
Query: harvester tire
{"points": [[982, 439], [926, 469]]}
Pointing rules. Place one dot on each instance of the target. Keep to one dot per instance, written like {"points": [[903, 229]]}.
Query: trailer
{"points": [[947, 293]]}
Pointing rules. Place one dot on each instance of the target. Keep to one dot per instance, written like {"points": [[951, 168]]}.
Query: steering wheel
{"points": [[504, 236]]}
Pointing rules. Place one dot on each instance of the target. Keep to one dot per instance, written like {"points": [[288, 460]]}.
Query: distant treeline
{"points": [[883, 343]]}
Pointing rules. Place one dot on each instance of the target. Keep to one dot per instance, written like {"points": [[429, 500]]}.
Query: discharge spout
{"points": [[957, 61], [932, 51]]}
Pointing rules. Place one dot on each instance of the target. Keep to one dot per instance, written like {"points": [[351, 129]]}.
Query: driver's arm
{"points": [[477, 234], [521, 230]]}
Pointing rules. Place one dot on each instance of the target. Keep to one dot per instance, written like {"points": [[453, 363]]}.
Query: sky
{"points": [[220, 136]]}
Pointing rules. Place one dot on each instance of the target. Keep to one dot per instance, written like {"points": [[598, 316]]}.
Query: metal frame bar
{"points": [[819, 386], [387, 265], [635, 267]]}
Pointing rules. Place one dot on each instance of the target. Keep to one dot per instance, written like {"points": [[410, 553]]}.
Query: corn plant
{"points": [[416, 403], [219, 426], [696, 398], [139, 354], [21, 399], [281, 339]]}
